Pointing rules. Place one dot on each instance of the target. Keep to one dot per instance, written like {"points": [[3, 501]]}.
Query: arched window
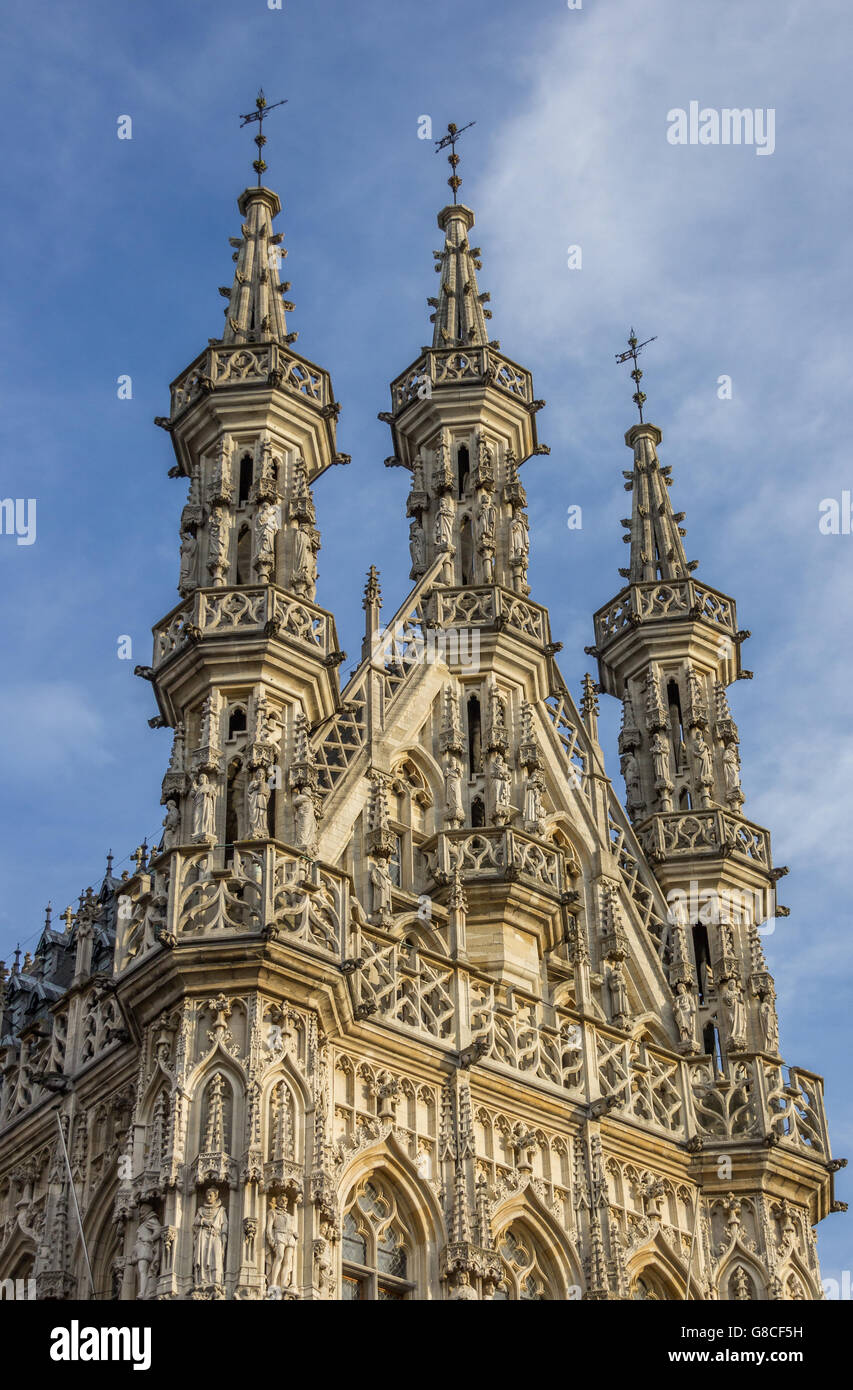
{"points": [[236, 721], [647, 1287], [524, 1277], [376, 1248]]}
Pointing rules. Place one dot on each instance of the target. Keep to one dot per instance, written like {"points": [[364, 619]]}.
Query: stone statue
{"points": [[769, 1024], [618, 991], [217, 544], [189, 553], [281, 1239], [631, 774], [702, 758], [210, 1235], [534, 814], [660, 758], [304, 562], [204, 809], [417, 548], [380, 880], [258, 795], [267, 523], [731, 770], [171, 824], [735, 1014], [462, 1290], [484, 522], [519, 543], [684, 1009], [145, 1255], [304, 820], [502, 778], [444, 524], [453, 809]]}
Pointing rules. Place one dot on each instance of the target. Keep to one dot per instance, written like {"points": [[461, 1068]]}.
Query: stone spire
{"points": [[653, 531], [459, 318], [256, 310]]}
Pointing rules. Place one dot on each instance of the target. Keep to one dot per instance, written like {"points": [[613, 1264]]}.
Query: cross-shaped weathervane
{"points": [[453, 133], [634, 350], [259, 165]]}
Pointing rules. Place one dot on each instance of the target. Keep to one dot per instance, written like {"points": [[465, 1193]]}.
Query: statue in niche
{"points": [[660, 758], [453, 808], [618, 991], [534, 811], [684, 1009], [204, 809], [304, 562], [462, 1291], [189, 554], [502, 778], [210, 1234], [734, 1013], [267, 523], [417, 548], [145, 1255], [304, 820], [769, 1024], [381, 883], [485, 518], [519, 542], [217, 544], [631, 774], [258, 795], [731, 770], [281, 1240], [702, 758], [171, 824], [444, 524]]}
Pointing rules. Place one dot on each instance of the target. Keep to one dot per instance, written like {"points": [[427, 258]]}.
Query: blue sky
{"points": [[113, 252]]}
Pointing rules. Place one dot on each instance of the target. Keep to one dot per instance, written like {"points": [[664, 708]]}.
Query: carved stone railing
{"points": [[643, 1083], [264, 889], [215, 612], [517, 1037], [491, 607], [684, 834], [495, 852], [661, 600], [794, 1104], [261, 364], [449, 366]]}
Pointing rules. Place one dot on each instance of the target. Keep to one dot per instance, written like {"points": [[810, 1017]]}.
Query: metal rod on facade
{"points": [[693, 1243], [76, 1203]]}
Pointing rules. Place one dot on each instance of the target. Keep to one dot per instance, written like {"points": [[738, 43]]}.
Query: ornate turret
{"points": [[668, 646]]}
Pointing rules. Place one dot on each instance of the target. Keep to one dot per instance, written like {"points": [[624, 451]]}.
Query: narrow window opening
{"points": [[463, 466], [711, 1041], [475, 738], [702, 957], [673, 700], [478, 812], [237, 722], [244, 555], [246, 470]]}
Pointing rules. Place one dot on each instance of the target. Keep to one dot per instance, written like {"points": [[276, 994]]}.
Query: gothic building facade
{"points": [[408, 1003]]}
